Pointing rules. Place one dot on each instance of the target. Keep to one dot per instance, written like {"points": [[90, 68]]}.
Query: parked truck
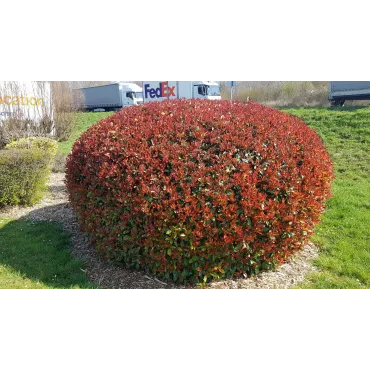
{"points": [[162, 90], [110, 97], [25, 100], [340, 91]]}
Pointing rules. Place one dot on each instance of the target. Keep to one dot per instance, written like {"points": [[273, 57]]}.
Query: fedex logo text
{"points": [[163, 91]]}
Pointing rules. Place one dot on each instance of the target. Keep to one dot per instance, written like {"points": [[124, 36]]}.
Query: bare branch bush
{"points": [[63, 109], [284, 93]]}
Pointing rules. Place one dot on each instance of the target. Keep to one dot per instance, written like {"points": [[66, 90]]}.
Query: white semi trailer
{"points": [[110, 97], [340, 91], [162, 90], [26, 100]]}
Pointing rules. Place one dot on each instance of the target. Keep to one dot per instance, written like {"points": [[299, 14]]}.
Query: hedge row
{"points": [[195, 190]]}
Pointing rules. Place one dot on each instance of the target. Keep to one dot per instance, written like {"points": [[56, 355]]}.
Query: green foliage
{"points": [[23, 176]]}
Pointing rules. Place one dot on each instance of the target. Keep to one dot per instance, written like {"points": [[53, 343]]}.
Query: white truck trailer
{"points": [[110, 97], [162, 90], [25, 100], [340, 91]]}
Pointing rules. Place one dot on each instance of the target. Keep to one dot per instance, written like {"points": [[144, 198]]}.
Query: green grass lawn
{"points": [[37, 255], [83, 122], [344, 233]]}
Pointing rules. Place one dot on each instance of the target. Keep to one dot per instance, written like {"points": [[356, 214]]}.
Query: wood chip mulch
{"points": [[55, 207]]}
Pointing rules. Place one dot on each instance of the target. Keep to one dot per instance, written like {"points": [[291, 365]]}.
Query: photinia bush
{"points": [[195, 190]]}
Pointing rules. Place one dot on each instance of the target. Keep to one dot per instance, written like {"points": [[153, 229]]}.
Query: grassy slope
{"points": [[344, 234], [83, 122]]}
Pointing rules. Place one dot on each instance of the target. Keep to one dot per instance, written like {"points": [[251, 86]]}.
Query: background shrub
{"points": [[48, 146], [23, 176], [195, 190]]}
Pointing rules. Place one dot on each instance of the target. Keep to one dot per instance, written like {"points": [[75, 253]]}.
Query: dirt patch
{"points": [[55, 207]]}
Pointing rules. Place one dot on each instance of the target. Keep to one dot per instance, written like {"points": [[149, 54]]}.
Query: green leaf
{"points": [[193, 259], [175, 275], [169, 252]]}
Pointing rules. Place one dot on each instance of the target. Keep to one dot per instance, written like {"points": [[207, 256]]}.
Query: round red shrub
{"points": [[194, 190]]}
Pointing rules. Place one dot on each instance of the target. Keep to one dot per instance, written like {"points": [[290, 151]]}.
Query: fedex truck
{"points": [[25, 100], [110, 97], [162, 90]]}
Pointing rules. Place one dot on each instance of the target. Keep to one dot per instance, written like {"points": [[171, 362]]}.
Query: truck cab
{"points": [[132, 94], [206, 90]]}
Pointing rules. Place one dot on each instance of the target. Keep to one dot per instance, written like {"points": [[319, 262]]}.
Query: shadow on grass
{"points": [[39, 252]]}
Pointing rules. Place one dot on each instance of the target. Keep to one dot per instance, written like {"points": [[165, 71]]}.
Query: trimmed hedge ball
{"points": [[196, 190]]}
